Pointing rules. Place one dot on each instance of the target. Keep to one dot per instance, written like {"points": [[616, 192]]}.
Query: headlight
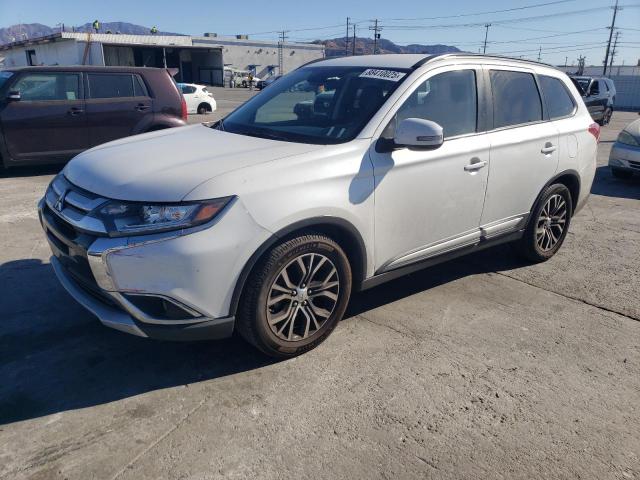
{"points": [[627, 139], [128, 218]]}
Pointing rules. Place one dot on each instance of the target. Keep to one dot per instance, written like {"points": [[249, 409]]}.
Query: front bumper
{"points": [[625, 157], [194, 272], [115, 316]]}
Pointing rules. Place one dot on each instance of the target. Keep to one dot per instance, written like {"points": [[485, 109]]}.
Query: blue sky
{"points": [[567, 34]]}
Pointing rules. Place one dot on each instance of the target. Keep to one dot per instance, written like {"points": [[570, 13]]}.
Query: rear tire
{"points": [[606, 117], [203, 109], [548, 225], [620, 173], [295, 296]]}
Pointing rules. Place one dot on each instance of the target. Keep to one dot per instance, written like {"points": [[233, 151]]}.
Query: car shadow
{"points": [[31, 171], [56, 357], [607, 185]]}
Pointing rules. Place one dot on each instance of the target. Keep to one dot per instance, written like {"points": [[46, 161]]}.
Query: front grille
{"points": [[73, 206]]}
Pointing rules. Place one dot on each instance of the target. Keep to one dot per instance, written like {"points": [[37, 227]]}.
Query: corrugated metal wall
{"points": [[628, 92]]}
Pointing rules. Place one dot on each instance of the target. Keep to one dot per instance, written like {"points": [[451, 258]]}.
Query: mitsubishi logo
{"points": [[59, 205]]}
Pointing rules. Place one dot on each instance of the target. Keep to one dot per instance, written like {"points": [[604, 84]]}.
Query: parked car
{"points": [[199, 99], [189, 234], [262, 84], [50, 114], [599, 94], [245, 80], [624, 159]]}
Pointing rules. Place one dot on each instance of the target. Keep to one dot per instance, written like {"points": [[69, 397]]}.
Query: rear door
{"points": [[118, 105], [524, 147], [48, 123]]}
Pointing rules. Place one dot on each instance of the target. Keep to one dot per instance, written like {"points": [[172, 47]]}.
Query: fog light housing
{"points": [[158, 307]]}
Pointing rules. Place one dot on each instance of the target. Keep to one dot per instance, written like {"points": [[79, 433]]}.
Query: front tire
{"points": [[548, 225], [295, 296]]}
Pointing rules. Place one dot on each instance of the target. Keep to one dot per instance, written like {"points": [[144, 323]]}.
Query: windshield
{"points": [[4, 76], [321, 105]]}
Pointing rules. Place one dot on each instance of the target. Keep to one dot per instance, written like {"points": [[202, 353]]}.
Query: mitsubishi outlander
{"points": [[343, 174]]}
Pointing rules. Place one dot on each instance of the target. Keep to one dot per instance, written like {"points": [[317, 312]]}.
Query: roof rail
{"points": [[429, 58]]}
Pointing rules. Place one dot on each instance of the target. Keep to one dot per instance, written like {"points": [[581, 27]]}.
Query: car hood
{"points": [[634, 128], [168, 164]]}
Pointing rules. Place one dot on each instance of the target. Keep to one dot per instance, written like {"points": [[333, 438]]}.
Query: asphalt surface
{"points": [[481, 368]]}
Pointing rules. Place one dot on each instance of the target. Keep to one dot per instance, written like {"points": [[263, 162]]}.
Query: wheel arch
{"points": [[568, 178], [340, 230], [206, 105]]}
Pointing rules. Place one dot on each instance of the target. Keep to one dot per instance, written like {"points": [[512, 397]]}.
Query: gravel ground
{"points": [[480, 368]]}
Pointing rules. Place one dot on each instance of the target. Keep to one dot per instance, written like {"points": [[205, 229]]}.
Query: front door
{"points": [[117, 104], [430, 201], [48, 123]]}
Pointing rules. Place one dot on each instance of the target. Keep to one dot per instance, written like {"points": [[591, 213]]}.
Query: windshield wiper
{"points": [[269, 136]]}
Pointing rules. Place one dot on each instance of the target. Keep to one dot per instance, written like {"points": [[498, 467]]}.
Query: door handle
{"points": [[75, 111], [475, 166], [548, 148], [141, 107]]}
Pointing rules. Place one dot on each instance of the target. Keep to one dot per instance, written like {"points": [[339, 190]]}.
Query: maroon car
{"points": [[50, 114]]}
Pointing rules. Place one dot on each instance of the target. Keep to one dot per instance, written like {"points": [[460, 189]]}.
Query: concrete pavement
{"points": [[481, 368]]}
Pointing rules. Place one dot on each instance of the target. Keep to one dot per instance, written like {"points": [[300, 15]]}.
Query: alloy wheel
{"points": [[302, 297], [551, 223]]}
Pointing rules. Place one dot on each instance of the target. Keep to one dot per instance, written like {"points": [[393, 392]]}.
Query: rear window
{"points": [[115, 85], [558, 99], [516, 100]]}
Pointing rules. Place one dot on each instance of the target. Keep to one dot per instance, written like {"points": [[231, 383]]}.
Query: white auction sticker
{"points": [[390, 75]]}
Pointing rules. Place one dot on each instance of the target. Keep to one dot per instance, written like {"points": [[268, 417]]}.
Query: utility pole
{"points": [[566, 60], [346, 40], [613, 51], [540, 54], [613, 25], [354, 40], [283, 37], [376, 35], [486, 35], [581, 61]]}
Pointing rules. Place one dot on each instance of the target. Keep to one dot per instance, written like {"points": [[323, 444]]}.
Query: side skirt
{"points": [[429, 262]]}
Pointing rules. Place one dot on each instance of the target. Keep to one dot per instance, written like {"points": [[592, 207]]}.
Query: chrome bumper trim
{"points": [[109, 316]]}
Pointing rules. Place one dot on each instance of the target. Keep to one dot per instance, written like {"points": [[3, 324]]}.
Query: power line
{"points": [[525, 7]]}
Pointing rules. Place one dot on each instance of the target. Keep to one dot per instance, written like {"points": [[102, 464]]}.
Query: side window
{"points": [[139, 90], [595, 88], [516, 99], [110, 85], [559, 100], [449, 99], [37, 87]]}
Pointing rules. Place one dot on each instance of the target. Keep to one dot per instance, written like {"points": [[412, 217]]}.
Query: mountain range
{"points": [[333, 47], [33, 30]]}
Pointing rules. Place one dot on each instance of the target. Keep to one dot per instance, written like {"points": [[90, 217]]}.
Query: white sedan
{"points": [[199, 99]]}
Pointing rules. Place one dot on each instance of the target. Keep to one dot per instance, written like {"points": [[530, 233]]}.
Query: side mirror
{"points": [[13, 96], [418, 133]]}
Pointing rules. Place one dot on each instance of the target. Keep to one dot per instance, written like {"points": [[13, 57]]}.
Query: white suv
{"points": [[344, 174]]}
